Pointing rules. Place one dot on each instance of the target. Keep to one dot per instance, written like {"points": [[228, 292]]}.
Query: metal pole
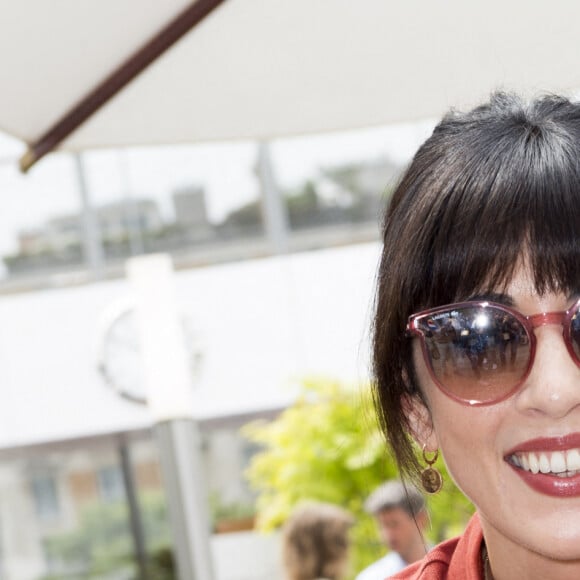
{"points": [[135, 521], [179, 444], [92, 243], [274, 209], [130, 209], [169, 394]]}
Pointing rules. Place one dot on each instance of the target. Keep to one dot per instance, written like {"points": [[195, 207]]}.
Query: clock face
{"points": [[120, 361]]}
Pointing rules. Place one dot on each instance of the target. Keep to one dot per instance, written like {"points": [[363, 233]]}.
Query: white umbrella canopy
{"points": [[270, 68]]}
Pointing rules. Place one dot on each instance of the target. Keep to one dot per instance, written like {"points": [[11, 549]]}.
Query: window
{"points": [[111, 485], [46, 498]]}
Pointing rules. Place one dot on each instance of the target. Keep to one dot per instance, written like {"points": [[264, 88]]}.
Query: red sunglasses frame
{"points": [[529, 323]]}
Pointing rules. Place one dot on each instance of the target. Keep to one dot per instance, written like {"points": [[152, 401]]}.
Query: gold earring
{"points": [[431, 478]]}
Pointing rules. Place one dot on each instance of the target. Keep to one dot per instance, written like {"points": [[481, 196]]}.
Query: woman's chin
{"points": [[562, 545]]}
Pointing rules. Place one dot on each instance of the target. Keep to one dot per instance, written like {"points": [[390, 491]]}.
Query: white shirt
{"points": [[383, 568]]}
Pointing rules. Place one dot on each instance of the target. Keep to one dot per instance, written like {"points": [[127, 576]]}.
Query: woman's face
{"points": [[517, 508]]}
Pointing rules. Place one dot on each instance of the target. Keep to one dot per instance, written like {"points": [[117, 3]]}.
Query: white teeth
{"points": [[561, 463], [557, 462], [525, 462], [534, 466], [573, 459], [544, 463]]}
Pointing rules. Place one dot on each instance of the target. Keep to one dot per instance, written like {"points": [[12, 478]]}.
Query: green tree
{"points": [[102, 545], [328, 447], [303, 205]]}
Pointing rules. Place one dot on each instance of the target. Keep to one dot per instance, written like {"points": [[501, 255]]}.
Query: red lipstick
{"points": [[548, 483], [571, 441]]}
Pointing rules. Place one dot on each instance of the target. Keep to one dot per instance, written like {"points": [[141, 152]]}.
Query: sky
{"points": [[224, 170]]}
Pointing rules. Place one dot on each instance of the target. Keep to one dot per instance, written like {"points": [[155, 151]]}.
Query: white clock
{"points": [[119, 361]]}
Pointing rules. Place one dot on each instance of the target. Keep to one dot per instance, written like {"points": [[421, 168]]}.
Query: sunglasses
{"points": [[479, 353]]}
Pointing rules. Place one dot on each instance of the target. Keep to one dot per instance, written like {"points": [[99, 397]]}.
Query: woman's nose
{"points": [[553, 385]]}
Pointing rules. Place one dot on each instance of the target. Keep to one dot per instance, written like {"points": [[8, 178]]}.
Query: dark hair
{"points": [[316, 541], [394, 494], [488, 188]]}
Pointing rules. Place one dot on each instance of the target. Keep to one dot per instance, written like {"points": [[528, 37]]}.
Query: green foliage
{"points": [[302, 204], [249, 214], [328, 447], [221, 510], [102, 542], [161, 565]]}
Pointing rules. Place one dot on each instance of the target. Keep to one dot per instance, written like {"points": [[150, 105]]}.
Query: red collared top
{"points": [[456, 559]]}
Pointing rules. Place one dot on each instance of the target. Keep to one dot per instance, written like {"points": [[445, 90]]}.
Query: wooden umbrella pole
{"points": [[117, 80]]}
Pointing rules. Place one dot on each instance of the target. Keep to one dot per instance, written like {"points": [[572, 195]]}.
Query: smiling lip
{"points": [[548, 444], [550, 466]]}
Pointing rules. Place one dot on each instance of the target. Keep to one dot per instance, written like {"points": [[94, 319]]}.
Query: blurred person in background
{"points": [[401, 516], [316, 544]]}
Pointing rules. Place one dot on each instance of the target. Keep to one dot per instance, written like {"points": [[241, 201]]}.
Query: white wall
{"points": [[262, 325], [247, 556]]}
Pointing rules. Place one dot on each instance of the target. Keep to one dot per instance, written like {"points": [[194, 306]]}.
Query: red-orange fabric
{"points": [[456, 559]]}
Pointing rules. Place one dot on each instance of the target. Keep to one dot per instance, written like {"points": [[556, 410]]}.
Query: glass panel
{"points": [[336, 184], [45, 497], [191, 201], [111, 486], [184, 199], [75, 521], [39, 236]]}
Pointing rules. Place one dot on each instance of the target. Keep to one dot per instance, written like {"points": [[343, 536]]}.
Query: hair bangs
{"points": [[522, 202]]}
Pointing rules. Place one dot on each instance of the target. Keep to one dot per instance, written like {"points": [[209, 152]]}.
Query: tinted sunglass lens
{"points": [[477, 353], [575, 332]]}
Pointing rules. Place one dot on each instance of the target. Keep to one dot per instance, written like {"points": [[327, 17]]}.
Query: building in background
{"points": [[59, 242], [339, 205], [259, 327], [62, 502]]}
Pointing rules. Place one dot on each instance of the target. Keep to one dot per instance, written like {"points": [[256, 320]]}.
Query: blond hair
{"points": [[316, 542]]}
